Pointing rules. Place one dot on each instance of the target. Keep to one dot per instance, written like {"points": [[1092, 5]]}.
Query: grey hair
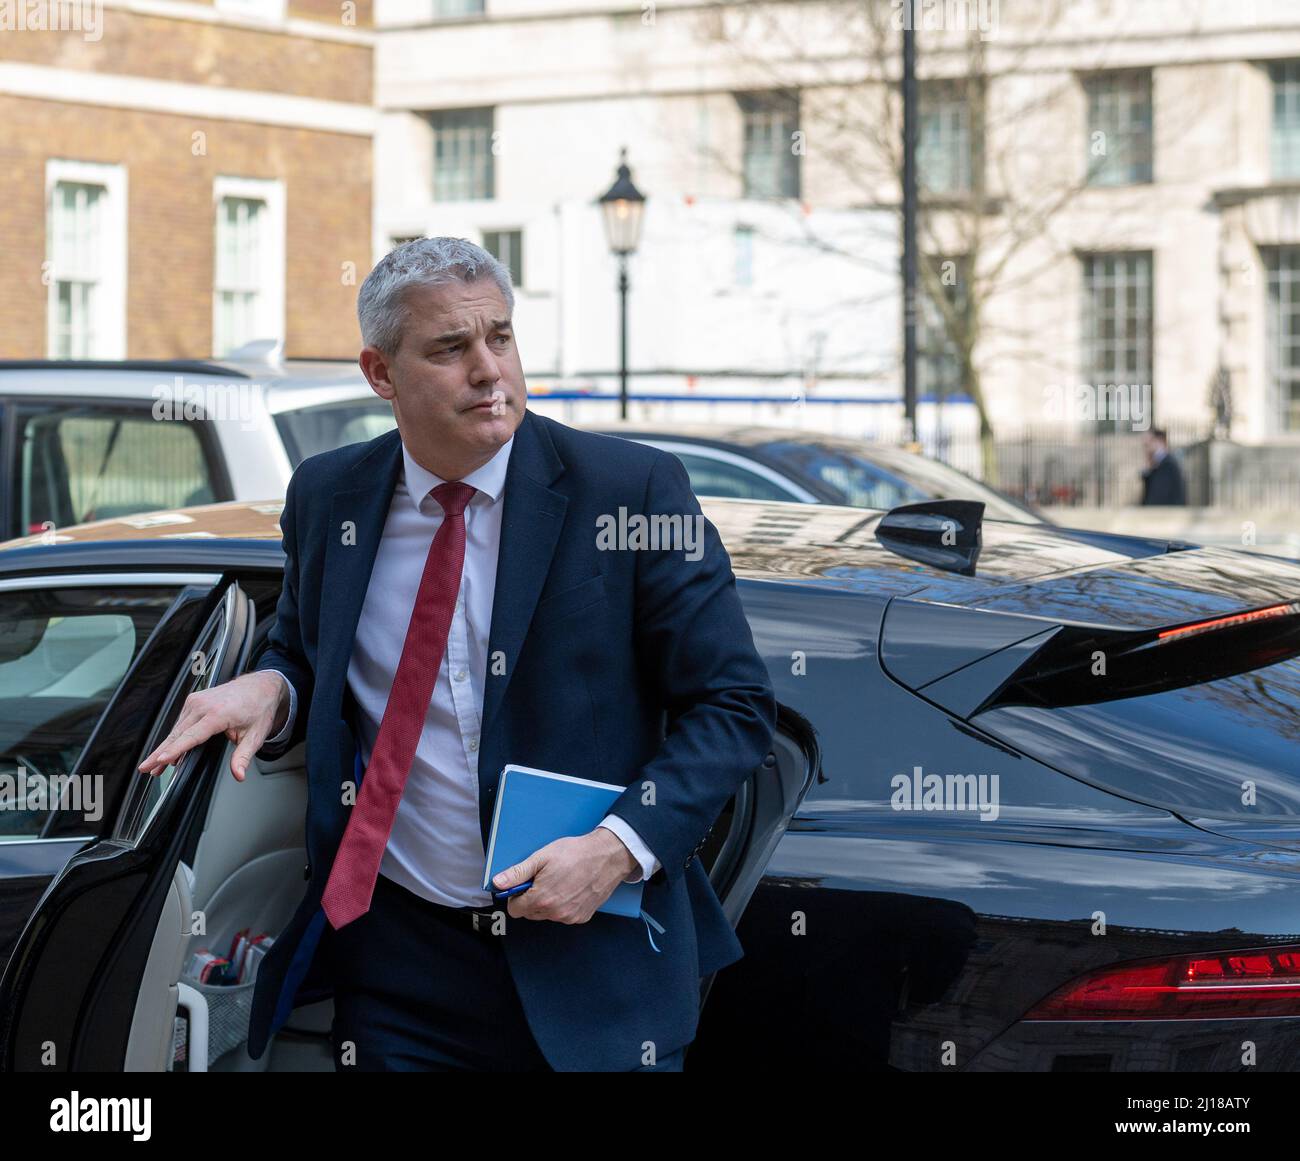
{"points": [[381, 310]]}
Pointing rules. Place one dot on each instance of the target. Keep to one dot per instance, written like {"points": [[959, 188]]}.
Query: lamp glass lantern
{"points": [[623, 206]]}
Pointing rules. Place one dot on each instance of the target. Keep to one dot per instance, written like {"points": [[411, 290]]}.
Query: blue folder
{"points": [[535, 807]]}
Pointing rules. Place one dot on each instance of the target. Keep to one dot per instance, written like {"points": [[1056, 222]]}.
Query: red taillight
{"points": [[1212, 986], [1235, 619]]}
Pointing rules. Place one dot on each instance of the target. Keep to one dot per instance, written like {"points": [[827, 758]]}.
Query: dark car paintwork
{"points": [[878, 938]]}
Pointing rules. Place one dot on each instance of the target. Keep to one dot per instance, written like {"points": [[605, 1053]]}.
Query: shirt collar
{"points": [[490, 479]]}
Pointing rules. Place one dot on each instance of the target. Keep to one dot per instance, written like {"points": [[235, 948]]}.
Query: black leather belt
{"points": [[477, 919]]}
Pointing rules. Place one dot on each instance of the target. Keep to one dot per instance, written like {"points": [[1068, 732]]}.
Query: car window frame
{"points": [[796, 492], [17, 409], [150, 579], [225, 627]]}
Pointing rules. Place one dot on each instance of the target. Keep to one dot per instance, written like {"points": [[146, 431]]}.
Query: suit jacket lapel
{"points": [[530, 530], [358, 513]]}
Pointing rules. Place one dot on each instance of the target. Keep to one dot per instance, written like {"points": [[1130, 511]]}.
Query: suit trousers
{"points": [[418, 989]]}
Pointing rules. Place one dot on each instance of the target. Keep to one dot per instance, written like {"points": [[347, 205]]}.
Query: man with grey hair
{"points": [[447, 609]]}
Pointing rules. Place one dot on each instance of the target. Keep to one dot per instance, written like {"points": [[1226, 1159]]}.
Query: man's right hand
{"points": [[249, 710]]}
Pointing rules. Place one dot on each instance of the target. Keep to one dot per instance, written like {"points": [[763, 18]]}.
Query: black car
{"points": [[813, 467], [1033, 802]]}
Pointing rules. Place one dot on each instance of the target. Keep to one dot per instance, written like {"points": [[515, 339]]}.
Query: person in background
{"points": [[1162, 479]]}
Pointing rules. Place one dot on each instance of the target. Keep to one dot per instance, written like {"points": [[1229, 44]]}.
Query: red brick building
{"points": [[185, 176]]}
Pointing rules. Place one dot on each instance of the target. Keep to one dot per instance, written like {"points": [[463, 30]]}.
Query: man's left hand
{"points": [[571, 877]]}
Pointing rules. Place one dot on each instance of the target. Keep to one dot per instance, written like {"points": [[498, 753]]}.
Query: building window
{"points": [[771, 165], [1117, 319], [248, 287], [507, 247], [943, 139], [1119, 127], [77, 235], [938, 364], [744, 267], [462, 154], [85, 249], [451, 9], [1283, 328], [1285, 75]]}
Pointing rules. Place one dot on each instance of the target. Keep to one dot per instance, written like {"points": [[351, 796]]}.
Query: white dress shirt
{"points": [[435, 848]]}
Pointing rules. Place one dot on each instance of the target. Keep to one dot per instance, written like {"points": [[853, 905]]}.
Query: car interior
{"points": [[248, 873]]}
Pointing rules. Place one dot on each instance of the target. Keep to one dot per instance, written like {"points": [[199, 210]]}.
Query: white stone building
{"points": [[1120, 193]]}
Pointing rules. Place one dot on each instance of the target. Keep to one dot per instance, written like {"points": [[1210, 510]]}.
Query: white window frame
{"points": [[519, 284], [945, 139], [1284, 133], [468, 172], [271, 309], [110, 306]]}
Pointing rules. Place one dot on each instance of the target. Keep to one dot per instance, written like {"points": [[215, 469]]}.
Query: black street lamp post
{"points": [[623, 205]]}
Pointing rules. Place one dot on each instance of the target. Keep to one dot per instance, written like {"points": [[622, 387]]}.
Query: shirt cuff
{"points": [[287, 728], [632, 840]]}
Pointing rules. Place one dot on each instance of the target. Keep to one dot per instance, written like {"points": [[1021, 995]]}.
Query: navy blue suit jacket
{"points": [[635, 667]]}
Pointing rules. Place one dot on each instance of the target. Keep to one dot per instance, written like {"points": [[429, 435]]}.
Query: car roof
{"points": [[287, 386], [742, 435], [758, 437]]}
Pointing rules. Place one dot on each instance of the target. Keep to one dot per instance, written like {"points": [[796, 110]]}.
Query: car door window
{"points": [[710, 477], [308, 431], [215, 652], [857, 482], [64, 650], [84, 463]]}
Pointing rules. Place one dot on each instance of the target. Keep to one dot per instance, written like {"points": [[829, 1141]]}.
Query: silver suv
{"points": [[96, 440]]}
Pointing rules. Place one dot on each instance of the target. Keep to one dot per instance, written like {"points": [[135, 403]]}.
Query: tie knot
{"points": [[453, 497]]}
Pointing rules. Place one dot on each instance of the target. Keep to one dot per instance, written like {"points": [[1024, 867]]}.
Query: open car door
{"points": [[68, 993]]}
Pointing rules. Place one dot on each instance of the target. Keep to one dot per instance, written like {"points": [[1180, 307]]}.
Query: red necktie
{"points": [[356, 866]]}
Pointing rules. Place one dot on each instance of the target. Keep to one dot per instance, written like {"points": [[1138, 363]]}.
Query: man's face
{"points": [[455, 382]]}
